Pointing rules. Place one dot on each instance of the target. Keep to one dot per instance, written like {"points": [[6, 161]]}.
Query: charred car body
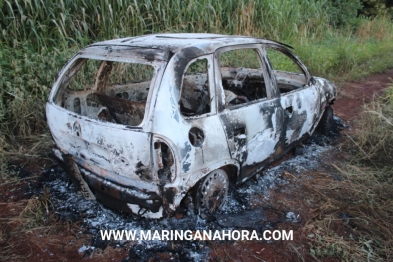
{"points": [[142, 121]]}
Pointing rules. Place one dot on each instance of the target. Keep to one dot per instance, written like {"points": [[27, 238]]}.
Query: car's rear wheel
{"points": [[211, 193], [325, 125]]}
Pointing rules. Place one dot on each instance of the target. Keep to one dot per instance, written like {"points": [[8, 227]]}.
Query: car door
{"points": [[300, 95], [249, 108], [187, 116]]}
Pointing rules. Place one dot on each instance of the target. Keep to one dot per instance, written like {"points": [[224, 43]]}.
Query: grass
{"points": [[44, 21], [354, 221], [22, 218], [352, 55], [376, 139]]}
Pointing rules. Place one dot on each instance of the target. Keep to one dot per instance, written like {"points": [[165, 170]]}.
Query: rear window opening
{"points": [[105, 90]]}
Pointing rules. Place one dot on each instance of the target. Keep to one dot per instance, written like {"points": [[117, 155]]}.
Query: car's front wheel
{"points": [[211, 193]]}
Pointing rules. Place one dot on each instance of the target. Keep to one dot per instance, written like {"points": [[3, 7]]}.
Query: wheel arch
{"points": [[231, 167]]}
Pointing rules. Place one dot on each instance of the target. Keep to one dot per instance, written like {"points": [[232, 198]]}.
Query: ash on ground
{"points": [[243, 204]]}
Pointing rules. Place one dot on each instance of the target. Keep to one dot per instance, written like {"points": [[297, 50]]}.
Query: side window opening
{"points": [[242, 76], [288, 74], [108, 91], [194, 93]]}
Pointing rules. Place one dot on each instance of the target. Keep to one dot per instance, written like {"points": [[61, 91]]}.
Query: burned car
{"points": [[142, 121]]}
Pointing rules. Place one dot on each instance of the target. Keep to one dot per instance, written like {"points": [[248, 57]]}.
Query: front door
{"points": [[299, 95]]}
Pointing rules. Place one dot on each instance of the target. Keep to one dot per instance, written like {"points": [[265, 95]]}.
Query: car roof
{"points": [[174, 42]]}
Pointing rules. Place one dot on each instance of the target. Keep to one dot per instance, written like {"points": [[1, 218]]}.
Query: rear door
{"points": [[187, 117], [250, 110]]}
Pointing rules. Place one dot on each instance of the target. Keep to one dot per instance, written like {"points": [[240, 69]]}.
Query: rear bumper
{"points": [[145, 200], [135, 197]]}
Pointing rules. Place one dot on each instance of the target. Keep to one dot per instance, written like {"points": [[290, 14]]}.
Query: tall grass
{"points": [[362, 198], [374, 142], [354, 219], [44, 22]]}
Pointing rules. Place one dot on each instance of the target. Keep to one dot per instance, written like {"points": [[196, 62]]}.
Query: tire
{"points": [[325, 125], [211, 193]]}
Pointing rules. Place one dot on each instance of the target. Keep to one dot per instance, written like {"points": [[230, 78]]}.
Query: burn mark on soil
{"points": [[247, 219], [170, 251]]}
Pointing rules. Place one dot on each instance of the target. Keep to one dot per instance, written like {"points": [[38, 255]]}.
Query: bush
{"points": [[373, 8], [343, 12]]}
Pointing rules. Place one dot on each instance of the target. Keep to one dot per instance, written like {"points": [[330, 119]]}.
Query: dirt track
{"points": [[68, 235], [352, 95]]}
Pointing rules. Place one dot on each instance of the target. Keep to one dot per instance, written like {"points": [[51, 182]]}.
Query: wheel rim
{"points": [[212, 193]]}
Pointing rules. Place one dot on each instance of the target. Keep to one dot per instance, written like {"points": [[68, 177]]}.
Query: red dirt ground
{"points": [[352, 95], [60, 241]]}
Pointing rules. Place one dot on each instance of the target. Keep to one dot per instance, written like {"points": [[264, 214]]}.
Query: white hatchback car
{"points": [[142, 121]]}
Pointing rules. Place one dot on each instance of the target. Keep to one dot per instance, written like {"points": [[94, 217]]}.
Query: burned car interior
{"points": [[242, 76], [288, 74], [109, 91], [195, 95], [143, 122]]}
